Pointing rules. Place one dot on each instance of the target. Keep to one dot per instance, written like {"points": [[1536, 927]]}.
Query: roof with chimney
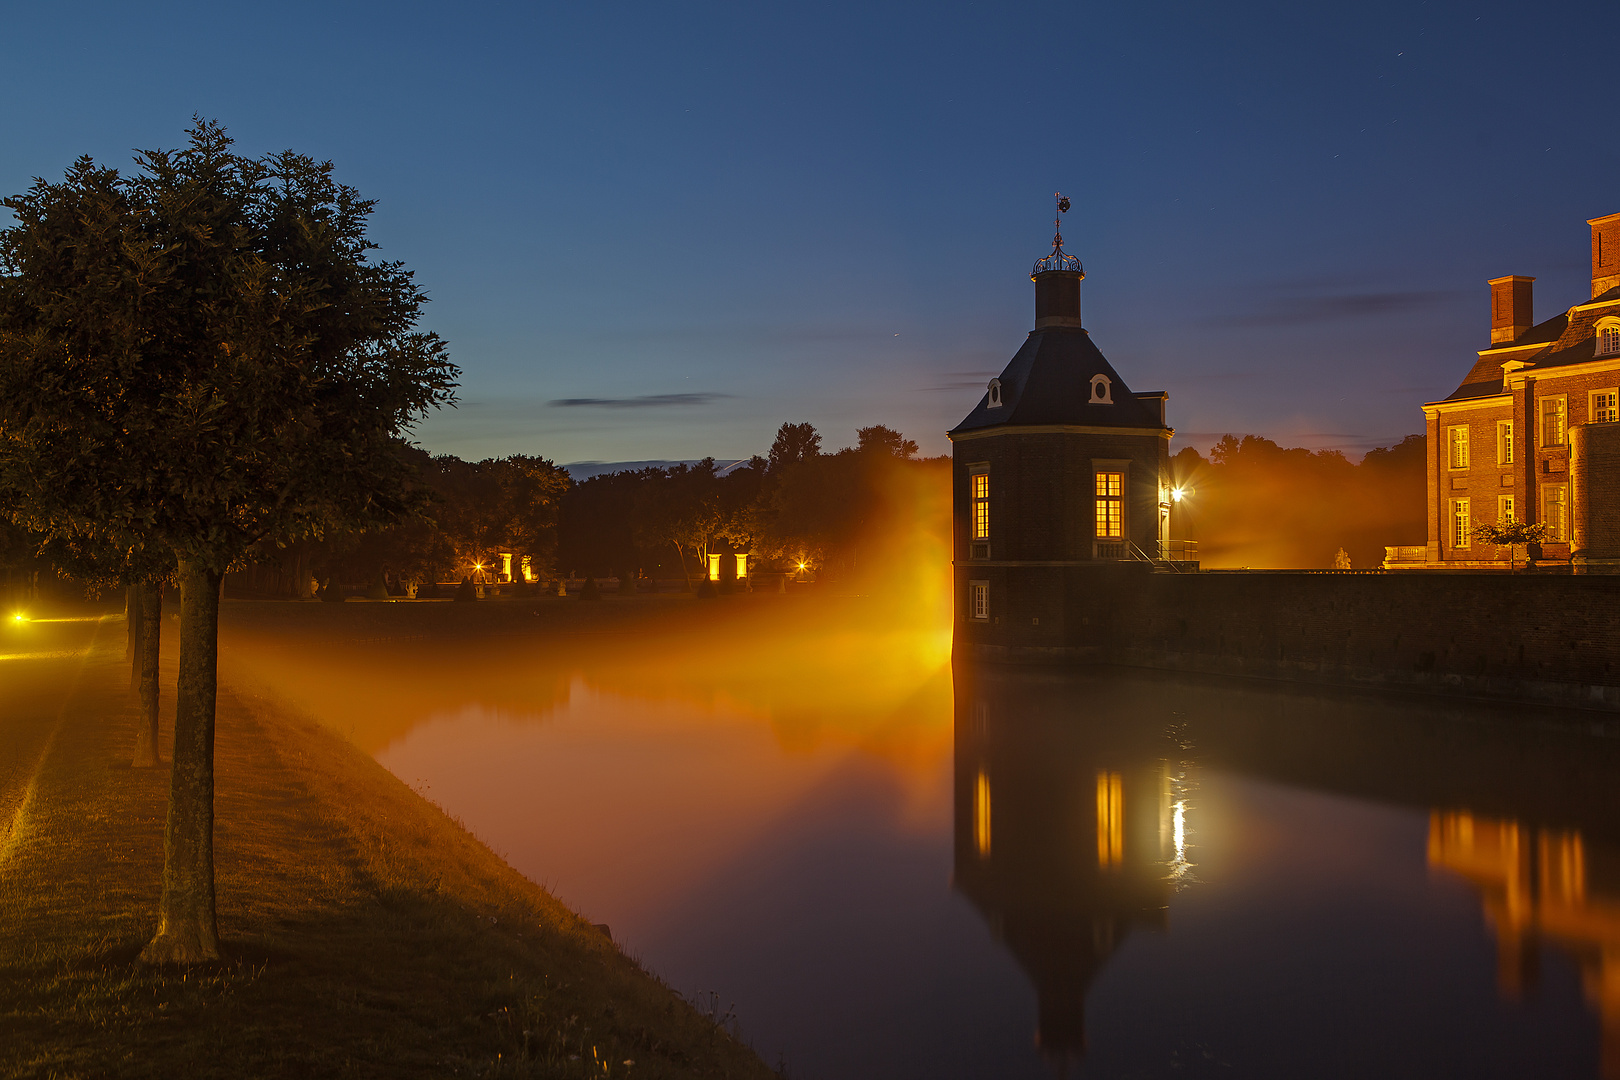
{"points": [[1049, 382], [1569, 338]]}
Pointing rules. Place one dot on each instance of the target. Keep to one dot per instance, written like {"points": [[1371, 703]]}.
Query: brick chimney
{"points": [[1605, 254], [1510, 308]]}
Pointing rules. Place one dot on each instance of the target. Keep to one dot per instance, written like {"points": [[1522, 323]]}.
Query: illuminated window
{"points": [[979, 600], [1605, 406], [994, 399], [1462, 533], [1110, 819], [1457, 439], [1504, 442], [714, 568], [1552, 421], [1110, 504], [981, 815], [981, 506], [1608, 340], [742, 567], [1554, 507], [1504, 509]]}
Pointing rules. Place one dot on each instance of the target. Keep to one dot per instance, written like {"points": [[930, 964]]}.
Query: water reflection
{"points": [[896, 870], [1077, 830], [1542, 886], [1066, 826]]}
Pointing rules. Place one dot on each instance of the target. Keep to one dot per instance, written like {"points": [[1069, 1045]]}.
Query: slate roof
{"points": [[1570, 338], [1048, 381]]}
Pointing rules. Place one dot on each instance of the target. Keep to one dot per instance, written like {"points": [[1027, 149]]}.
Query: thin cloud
{"points": [[962, 380], [645, 401], [1307, 310]]}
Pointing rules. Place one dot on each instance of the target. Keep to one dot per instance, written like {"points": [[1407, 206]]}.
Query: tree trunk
{"points": [[132, 622], [680, 554], [147, 599], [187, 932]]}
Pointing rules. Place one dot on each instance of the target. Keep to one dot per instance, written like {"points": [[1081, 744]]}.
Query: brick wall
{"points": [[1543, 638]]}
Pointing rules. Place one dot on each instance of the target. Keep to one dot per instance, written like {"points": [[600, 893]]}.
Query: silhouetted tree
{"points": [[261, 371], [884, 440], [794, 443]]}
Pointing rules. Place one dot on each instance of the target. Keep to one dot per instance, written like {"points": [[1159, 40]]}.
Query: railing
{"points": [[1127, 551]]}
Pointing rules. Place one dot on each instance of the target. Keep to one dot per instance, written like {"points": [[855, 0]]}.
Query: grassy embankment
{"points": [[364, 932]]}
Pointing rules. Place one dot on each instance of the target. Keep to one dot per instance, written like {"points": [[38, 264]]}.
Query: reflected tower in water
{"points": [[1066, 830]]}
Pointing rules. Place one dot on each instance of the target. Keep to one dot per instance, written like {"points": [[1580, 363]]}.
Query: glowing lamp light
{"points": [[19, 617], [1179, 493]]}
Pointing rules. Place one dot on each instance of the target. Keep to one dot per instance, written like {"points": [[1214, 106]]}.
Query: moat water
{"points": [[1109, 874]]}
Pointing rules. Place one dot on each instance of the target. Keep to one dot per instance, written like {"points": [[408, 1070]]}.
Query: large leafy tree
{"points": [[202, 356]]}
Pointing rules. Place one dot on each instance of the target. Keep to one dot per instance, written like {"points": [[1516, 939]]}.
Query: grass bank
{"points": [[364, 932]]}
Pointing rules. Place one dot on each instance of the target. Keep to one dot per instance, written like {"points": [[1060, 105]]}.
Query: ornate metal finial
{"points": [[1059, 259]]}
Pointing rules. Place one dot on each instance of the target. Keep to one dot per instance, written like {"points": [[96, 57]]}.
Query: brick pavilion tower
{"points": [[1062, 485]]}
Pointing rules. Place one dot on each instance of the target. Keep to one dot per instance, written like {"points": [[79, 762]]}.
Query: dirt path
{"points": [[365, 933]]}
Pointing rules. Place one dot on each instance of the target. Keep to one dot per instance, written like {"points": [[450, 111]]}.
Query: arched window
{"points": [[994, 400], [1102, 390], [1608, 336]]}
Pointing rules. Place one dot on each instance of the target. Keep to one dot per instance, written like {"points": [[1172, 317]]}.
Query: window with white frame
{"points": [[993, 399], [979, 601], [1504, 509], [1457, 439], [1608, 337], [1462, 531], [1110, 505], [1554, 413], [1555, 511], [1604, 406], [1504, 442]]}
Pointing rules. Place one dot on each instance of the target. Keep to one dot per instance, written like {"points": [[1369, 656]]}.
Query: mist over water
{"points": [[890, 868]]}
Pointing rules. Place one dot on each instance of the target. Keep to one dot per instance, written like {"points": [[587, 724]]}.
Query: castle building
{"points": [[1061, 471], [1531, 434]]}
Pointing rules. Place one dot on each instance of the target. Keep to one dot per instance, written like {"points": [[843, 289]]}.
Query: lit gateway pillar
{"points": [[1061, 488]]}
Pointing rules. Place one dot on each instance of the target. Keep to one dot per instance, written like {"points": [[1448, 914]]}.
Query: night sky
{"points": [[659, 231]]}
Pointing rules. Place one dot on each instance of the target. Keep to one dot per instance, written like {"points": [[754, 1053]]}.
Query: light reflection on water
{"points": [[1106, 874]]}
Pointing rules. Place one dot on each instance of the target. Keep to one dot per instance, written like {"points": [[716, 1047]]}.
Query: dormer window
{"points": [[1608, 336], [1102, 390], [994, 400]]}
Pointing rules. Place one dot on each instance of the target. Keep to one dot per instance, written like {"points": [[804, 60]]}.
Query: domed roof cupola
{"points": [[1057, 278]]}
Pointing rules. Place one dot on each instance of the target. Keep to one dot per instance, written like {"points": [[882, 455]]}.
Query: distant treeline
{"points": [[831, 513], [864, 513], [1254, 503]]}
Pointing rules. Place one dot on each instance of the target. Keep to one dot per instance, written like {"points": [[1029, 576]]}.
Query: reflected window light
{"points": [[1563, 866], [1180, 831], [981, 815], [1110, 820]]}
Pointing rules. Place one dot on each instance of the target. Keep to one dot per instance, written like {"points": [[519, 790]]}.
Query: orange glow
{"points": [[742, 567], [981, 815], [714, 568], [1110, 820]]}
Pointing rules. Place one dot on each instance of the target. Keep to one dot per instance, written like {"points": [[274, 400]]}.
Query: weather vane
{"points": [[1059, 259]]}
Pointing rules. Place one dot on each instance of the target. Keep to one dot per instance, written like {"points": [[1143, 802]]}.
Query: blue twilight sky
{"points": [[660, 230]]}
